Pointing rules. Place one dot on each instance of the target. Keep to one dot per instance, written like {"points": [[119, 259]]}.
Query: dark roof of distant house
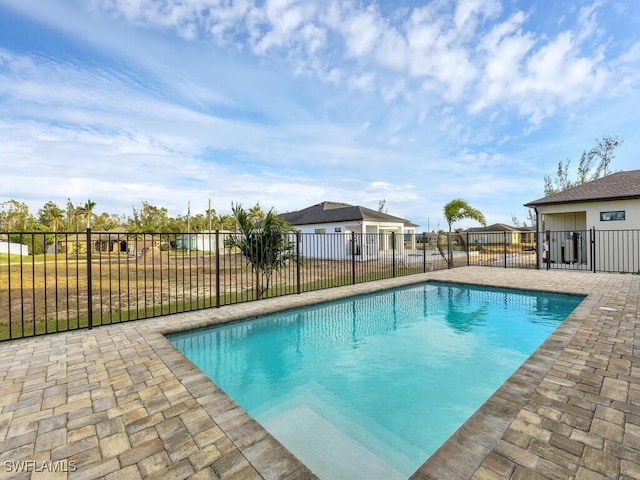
{"points": [[334, 212], [500, 227], [617, 186]]}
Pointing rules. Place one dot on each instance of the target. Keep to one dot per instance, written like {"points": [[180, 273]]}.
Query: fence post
{"points": [[353, 258], [89, 282], [547, 240], [298, 239], [393, 254], [424, 252], [468, 257], [504, 248], [592, 235], [217, 268]]}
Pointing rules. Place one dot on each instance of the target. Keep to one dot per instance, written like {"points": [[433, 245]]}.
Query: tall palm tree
{"points": [[88, 211], [457, 209]]}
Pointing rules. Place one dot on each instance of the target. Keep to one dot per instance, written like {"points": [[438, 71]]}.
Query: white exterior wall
{"points": [[330, 245], [337, 245], [14, 248]]}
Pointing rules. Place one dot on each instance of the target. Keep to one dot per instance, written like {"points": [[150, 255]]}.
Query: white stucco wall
{"points": [[371, 238], [14, 248]]}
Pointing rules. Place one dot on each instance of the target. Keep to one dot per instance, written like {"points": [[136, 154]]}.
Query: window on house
{"points": [[610, 216], [320, 230], [337, 229]]}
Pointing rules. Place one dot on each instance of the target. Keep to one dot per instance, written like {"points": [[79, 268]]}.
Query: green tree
{"points": [[106, 221], [51, 216], [227, 222], [71, 218], [256, 214], [454, 211], [149, 219], [588, 170], [265, 245], [15, 216]]}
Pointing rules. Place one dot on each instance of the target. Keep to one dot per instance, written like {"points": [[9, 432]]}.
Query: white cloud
{"points": [[537, 76], [392, 50], [361, 32], [435, 55], [281, 21], [469, 12], [364, 82]]}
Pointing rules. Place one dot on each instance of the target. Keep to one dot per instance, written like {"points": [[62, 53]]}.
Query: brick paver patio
{"points": [[119, 402]]}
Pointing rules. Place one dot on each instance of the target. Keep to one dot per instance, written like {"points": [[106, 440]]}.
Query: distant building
{"points": [[501, 233], [202, 242], [13, 248], [333, 224]]}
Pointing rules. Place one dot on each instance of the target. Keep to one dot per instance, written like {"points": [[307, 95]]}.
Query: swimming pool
{"points": [[371, 386]]}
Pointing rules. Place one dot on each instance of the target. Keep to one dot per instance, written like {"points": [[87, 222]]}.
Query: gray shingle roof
{"points": [[617, 186], [333, 212]]}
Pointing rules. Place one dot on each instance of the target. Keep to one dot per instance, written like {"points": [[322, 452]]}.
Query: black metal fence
{"points": [[52, 282], [591, 250]]}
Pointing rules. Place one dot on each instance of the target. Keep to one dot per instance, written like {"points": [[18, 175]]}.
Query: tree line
{"points": [[16, 217]]}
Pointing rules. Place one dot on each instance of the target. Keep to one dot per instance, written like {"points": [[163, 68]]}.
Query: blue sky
{"points": [[290, 103]]}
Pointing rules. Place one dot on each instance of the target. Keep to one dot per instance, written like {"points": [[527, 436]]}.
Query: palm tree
{"points": [[52, 216], [256, 214], [88, 211], [457, 209], [265, 245]]}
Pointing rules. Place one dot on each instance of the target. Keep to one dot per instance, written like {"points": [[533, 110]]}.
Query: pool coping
{"points": [[572, 409]]}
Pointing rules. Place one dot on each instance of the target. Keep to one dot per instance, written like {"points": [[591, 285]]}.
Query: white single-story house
{"points": [[592, 222], [501, 233], [333, 223]]}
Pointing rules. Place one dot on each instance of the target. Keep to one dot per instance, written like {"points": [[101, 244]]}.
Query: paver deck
{"points": [[120, 402]]}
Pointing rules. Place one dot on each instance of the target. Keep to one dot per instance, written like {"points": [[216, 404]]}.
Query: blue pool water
{"points": [[371, 386]]}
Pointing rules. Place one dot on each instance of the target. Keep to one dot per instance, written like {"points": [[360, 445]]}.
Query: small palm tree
{"points": [[265, 245], [457, 209]]}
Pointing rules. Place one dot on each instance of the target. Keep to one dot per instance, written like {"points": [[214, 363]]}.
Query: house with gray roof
{"points": [[333, 223], [500, 232], [573, 221]]}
